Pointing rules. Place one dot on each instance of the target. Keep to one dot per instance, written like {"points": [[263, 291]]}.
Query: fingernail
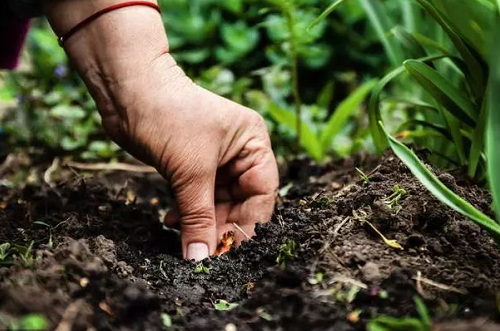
{"points": [[197, 251]]}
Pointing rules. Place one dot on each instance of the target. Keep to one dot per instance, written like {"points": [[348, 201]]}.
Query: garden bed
{"points": [[101, 259]]}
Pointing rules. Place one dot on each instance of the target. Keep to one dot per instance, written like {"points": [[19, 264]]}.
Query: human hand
{"points": [[215, 153]]}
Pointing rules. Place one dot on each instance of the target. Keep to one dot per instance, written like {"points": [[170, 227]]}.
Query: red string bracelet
{"points": [[62, 39]]}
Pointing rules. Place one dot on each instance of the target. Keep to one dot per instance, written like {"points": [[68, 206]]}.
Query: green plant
{"points": [[317, 279], [318, 139], [363, 176], [166, 320], [451, 110], [26, 254], [50, 242], [438, 189], [33, 322], [393, 199], [223, 305], [4, 251], [287, 252], [493, 126], [454, 89], [201, 268], [387, 323]]}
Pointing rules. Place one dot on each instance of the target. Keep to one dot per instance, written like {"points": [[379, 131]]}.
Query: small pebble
{"points": [[371, 272]]}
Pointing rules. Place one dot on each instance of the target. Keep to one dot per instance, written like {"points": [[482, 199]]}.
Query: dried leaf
{"points": [[226, 243]]}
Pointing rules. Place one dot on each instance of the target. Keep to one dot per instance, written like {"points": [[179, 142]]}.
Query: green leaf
{"points": [[472, 19], [443, 91], [493, 127], [34, 322], [374, 113], [342, 113], [415, 49], [68, 112], [166, 320], [42, 223], [438, 189], [422, 311], [325, 14], [239, 37], [453, 125], [380, 19], [478, 141], [223, 305], [309, 141], [475, 73], [386, 323], [201, 268]]}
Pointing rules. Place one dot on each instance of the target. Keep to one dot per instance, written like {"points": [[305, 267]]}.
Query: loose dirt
{"points": [[102, 261]]}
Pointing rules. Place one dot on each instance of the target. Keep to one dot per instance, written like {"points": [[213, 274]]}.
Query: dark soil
{"points": [[105, 263]]}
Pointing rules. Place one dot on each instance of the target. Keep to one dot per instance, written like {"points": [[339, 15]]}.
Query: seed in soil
{"points": [[225, 244]]}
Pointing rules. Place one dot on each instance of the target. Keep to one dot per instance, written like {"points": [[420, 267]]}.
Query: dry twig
{"points": [[111, 167]]}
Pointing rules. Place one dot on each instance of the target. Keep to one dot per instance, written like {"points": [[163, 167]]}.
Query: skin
{"points": [[215, 154]]}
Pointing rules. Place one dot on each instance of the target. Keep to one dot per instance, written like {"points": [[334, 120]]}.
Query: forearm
{"points": [[115, 49]]}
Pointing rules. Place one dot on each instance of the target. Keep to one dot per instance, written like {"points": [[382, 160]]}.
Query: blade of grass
{"points": [[443, 91], [325, 13], [478, 141], [374, 114], [343, 112], [379, 18], [408, 15], [415, 49], [422, 311], [475, 72], [438, 189], [493, 127], [453, 125]]}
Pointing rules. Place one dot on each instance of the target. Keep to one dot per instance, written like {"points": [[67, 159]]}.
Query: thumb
{"points": [[195, 200]]}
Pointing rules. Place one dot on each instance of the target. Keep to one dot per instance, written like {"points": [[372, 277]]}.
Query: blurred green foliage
{"points": [[240, 49]]}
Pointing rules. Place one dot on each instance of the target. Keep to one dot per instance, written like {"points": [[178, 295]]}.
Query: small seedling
{"points": [[283, 192], [387, 323], [393, 199], [26, 254], [317, 279], [223, 305], [50, 243], [4, 251], [363, 176], [348, 296], [287, 252], [201, 268], [264, 314], [166, 320]]}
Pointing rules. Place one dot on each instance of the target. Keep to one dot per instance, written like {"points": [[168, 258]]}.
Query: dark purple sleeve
{"points": [[12, 35]]}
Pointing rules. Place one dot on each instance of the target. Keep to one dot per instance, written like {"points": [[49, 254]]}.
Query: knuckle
{"points": [[258, 120], [198, 221]]}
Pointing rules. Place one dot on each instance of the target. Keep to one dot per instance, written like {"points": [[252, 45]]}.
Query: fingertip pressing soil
{"points": [[101, 259]]}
